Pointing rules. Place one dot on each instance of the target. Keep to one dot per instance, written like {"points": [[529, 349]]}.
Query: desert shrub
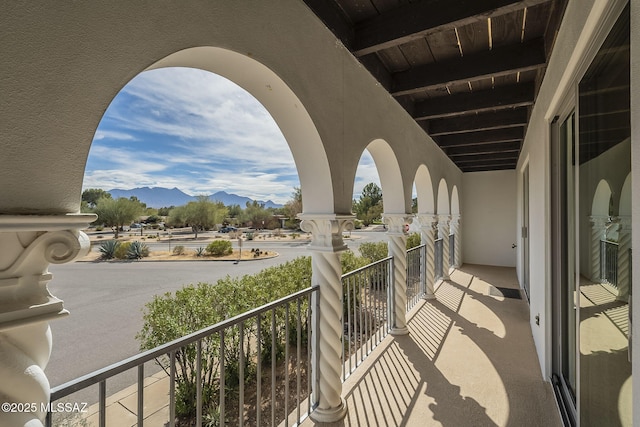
{"points": [[374, 251], [249, 236], [178, 250], [350, 261], [219, 248], [413, 240], [99, 228], [294, 235], [137, 250], [200, 252], [194, 307], [108, 249], [122, 250]]}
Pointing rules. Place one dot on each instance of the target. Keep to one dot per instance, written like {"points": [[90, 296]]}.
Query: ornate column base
{"points": [[331, 415]]}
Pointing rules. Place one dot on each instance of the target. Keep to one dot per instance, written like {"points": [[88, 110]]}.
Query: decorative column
{"points": [[624, 261], [428, 227], [598, 227], [28, 244], [398, 250], [326, 313], [455, 227], [443, 231]]}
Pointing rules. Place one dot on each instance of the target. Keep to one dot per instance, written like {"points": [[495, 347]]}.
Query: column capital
{"points": [[326, 230], [395, 222], [427, 219], [455, 219], [30, 243], [600, 221], [442, 218], [624, 223]]}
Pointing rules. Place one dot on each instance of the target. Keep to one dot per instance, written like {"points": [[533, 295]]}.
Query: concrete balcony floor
{"points": [[469, 360]]}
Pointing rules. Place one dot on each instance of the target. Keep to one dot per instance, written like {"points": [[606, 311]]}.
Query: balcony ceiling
{"points": [[468, 71]]}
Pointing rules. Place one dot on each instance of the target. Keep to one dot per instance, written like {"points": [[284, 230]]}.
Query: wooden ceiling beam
{"points": [[488, 163], [495, 63], [488, 168], [418, 19], [476, 122], [482, 137], [482, 101], [500, 147], [475, 158]]}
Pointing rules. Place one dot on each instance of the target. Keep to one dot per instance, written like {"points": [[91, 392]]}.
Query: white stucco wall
{"points": [[65, 61], [489, 218]]}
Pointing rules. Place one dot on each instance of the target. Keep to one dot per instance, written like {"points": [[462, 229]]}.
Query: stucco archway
{"points": [[284, 106], [442, 208], [424, 190], [390, 176]]}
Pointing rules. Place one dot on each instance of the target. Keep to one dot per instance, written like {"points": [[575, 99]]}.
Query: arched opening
{"points": [[424, 190], [625, 198], [602, 200], [443, 208], [390, 176], [455, 202], [298, 133]]}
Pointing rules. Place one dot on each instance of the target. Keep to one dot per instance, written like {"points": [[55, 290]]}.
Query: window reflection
{"points": [[604, 227]]}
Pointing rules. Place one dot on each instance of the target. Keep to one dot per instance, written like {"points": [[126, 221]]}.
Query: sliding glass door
{"points": [[591, 234]]}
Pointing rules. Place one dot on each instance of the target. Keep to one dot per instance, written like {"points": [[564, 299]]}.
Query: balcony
{"points": [[468, 359]]}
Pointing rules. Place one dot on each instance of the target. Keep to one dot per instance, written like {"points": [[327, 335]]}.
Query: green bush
{"points": [[194, 307], [137, 250], [178, 250], [219, 248], [374, 251], [109, 248], [122, 250], [413, 240]]}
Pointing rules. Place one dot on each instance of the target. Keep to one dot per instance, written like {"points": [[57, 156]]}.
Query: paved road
{"points": [[106, 301]]}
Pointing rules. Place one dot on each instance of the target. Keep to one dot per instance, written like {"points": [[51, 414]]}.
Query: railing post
{"points": [[326, 323], [428, 226], [30, 243], [443, 231], [398, 250]]}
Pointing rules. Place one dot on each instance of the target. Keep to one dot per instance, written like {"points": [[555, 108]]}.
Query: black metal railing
{"points": [[366, 311], [609, 262], [416, 275], [452, 250], [265, 350], [439, 258]]}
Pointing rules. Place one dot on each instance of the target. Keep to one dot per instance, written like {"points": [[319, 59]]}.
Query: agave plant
{"points": [[109, 248], [137, 250], [200, 252]]}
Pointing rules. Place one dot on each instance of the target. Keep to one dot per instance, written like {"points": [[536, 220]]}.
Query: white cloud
{"points": [[102, 134], [365, 173]]}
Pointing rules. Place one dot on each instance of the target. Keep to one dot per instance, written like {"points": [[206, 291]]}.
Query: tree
{"points": [[256, 213], [203, 214], [92, 195], [117, 213], [369, 207], [293, 207]]}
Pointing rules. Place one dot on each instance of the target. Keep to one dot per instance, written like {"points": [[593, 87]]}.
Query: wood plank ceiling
{"points": [[467, 71]]}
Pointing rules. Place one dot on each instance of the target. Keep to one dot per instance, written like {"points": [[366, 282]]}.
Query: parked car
{"points": [[227, 229]]}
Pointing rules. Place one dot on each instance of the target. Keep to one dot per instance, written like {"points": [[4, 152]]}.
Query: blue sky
{"points": [[199, 132]]}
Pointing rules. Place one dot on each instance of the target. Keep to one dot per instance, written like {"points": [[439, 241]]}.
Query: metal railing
{"points": [[609, 262], [416, 275], [235, 353], [365, 311], [439, 257], [452, 250]]}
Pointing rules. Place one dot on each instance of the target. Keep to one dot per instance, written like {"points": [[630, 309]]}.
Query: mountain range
{"points": [[158, 197]]}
